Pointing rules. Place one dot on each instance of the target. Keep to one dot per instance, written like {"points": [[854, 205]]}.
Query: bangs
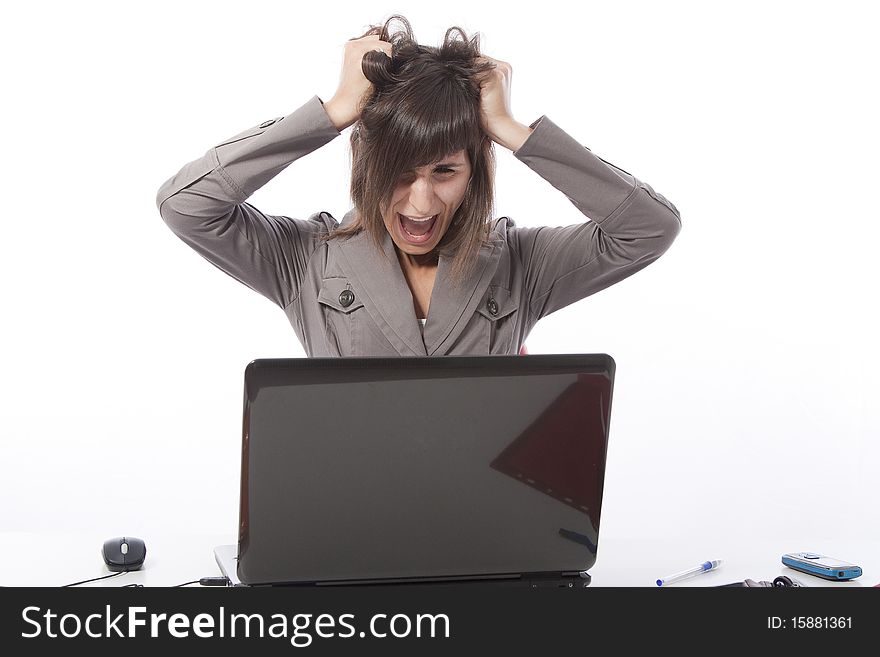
{"points": [[426, 124]]}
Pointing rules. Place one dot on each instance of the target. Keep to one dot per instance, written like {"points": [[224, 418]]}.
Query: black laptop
{"points": [[459, 469]]}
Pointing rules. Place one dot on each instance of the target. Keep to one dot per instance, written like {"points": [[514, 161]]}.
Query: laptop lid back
{"points": [[365, 469]]}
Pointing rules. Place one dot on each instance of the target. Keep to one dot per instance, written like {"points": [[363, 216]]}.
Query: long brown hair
{"points": [[425, 106]]}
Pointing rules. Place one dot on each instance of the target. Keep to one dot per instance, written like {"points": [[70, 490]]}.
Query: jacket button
{"points": [[346, 298], [492, 305], [266, 124]]}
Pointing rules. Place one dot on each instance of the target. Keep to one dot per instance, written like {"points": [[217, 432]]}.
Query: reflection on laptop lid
{"points": [[461, 468]]}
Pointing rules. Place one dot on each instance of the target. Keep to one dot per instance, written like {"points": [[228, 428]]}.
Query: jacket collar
{"points": [[389, 301]]}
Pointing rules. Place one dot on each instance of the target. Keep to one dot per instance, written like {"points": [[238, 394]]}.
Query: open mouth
{"points": [[417, 231]]}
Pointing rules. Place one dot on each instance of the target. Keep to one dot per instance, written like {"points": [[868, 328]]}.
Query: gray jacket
{"points": [[522, 274]]}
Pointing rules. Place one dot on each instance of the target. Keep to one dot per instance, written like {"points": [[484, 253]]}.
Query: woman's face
{"points": [[425, 201]]}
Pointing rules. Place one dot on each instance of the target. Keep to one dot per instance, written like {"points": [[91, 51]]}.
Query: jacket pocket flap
{"points": [[496, 303], [339, 294]]}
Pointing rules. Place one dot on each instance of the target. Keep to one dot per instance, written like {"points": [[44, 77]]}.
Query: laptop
{"points": [[394, 471]]}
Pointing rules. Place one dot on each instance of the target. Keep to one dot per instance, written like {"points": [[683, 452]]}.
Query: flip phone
{"points": [[821, 565]]}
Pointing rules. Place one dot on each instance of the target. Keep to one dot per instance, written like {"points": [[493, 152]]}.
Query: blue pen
{"points": [[684, 574]]}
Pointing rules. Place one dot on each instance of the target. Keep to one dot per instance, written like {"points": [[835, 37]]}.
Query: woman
{"points": [[416, 268]]}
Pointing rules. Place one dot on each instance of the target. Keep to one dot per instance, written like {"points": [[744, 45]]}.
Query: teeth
{"points": [[418, 221]]}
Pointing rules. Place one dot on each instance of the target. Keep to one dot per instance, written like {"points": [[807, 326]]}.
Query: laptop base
{"points": [[227, 559]]}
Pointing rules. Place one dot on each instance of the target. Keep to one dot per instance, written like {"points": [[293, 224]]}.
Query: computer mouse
{"points": [[124, 553]]}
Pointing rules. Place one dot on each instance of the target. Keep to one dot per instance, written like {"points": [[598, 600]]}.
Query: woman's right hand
{"points": [[345, 106]]}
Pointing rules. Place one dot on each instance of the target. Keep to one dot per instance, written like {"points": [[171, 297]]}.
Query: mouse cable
{"points": [[207, 581], [95, 579]]}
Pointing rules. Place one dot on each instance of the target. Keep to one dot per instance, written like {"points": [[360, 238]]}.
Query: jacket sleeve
{"points": [[631, 225], [204, 203]]}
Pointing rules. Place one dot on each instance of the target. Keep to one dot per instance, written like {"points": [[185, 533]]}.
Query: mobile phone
{"points": [[821, 565]]}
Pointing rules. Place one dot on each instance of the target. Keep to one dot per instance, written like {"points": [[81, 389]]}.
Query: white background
{"points": [[745, 403]]}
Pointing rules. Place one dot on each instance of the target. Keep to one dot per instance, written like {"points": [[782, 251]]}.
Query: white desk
{"points": [[56, 559]]}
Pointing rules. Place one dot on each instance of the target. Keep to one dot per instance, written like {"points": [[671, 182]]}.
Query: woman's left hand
{"points": [[498, 121]]}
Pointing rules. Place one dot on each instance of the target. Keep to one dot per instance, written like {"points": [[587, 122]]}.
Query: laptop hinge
{"points": [[567, 579]]}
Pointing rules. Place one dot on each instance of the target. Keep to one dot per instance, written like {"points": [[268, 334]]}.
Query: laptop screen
{"points": [[376, 468]]}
